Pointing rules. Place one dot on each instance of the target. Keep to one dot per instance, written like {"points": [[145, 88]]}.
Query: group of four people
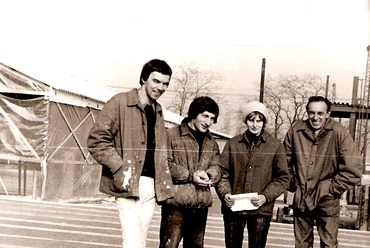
{"points": [[144, 164]]}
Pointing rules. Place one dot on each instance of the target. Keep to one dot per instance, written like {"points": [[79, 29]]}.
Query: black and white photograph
{"points": [[185, 124]]}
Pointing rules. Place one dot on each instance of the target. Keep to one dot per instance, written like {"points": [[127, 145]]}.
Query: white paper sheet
{"points": [[243, 201]]}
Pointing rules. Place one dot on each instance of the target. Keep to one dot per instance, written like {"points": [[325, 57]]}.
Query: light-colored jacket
{"points": [[329, 164], [118, 142], [184, 161]]}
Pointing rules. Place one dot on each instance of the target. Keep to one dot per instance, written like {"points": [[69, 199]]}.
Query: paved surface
{"points": [[30, 223]]}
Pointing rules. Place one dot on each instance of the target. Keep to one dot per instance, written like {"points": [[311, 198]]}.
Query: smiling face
{"points": [[317, 114], [203, 121], [156, 84], [254, 123]]}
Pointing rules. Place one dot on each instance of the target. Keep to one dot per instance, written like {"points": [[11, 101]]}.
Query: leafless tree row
{"points": [[285, 97]]}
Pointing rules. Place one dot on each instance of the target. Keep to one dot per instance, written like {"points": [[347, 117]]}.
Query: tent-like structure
{"points": [[44, 125]]}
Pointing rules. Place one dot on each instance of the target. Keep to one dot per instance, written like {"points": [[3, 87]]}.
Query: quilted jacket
{"points": [[184, 161]]}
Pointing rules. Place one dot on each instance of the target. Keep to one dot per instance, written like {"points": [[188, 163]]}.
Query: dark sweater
{"points": [[148, 167]]}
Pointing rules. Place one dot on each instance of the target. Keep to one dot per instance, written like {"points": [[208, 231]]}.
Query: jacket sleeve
{"points": [[223, 187], [100, 141], [350, 166], [290, 157], [214, 170], [280, 174], [179, 173]]}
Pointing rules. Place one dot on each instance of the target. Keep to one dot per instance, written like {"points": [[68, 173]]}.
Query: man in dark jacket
{"points": [[255, 163], [195, 167], [129, 141], [324, 163]]}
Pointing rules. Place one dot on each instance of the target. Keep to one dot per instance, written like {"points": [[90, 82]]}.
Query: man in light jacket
{"points": [[129, 141], [323, 163]]}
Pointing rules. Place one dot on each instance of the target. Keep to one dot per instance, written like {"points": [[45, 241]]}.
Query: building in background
{"points": [[44, 123]]}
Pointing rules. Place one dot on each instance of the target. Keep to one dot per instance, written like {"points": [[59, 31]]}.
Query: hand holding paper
{"points": [[243, 201], [259, 200]]}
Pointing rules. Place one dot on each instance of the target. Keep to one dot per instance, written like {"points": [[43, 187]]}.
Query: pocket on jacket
{"points": [[121, 180], [328, 206], [323, 189]]}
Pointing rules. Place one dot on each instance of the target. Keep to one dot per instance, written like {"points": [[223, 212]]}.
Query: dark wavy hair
{"points": [[154, 65], [319, 99], [201, 104]]}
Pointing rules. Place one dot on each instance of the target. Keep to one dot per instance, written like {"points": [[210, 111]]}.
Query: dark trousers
{"points": [[186, 223], [326, 216], [257, 226]]}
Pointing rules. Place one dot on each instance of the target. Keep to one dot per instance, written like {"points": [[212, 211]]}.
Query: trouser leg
{"points": [[147, 196], [327, 221], [303, 229], [170, 232], [178, 223], [194, 227], [136, 214], [327, 228], [234, 229], [258, 227]]}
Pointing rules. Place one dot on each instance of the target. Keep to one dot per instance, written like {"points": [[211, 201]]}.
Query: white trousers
{"points": [[136, 214]]}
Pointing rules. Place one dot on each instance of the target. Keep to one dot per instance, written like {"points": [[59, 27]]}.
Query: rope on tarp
{"points": [[4, 187]]}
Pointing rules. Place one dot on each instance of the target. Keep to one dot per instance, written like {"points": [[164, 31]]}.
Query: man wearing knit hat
{"points": [[252, 162]]}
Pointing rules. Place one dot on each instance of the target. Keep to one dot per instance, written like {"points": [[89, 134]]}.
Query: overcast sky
{"points": [[107, 42]]}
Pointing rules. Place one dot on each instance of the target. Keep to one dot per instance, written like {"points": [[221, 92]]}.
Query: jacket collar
{"points": [[263, 137], [184, 129], [305, 125], [134, 100]]}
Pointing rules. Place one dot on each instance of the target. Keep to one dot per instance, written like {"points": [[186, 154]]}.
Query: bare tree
{"points": [[274, 102], [190, 82], [287, 96]]}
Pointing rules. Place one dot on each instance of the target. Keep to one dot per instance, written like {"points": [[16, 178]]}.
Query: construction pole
{"points": [[367, 84], [364, 208], [262, 86], [327, 87]]}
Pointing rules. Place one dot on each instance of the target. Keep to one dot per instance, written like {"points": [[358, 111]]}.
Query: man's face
{"points": [[204, 121], [317, 114], [156, 84]]}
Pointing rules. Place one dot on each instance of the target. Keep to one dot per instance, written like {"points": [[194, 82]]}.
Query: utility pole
{"points": [[334, 96], [262, 86], [327, 87]]}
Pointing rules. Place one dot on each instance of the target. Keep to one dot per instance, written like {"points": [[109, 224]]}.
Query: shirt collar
{"points": [[134, 100]]}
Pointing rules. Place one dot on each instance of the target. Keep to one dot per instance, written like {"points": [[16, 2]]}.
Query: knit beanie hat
{"points": [[255, 106]]}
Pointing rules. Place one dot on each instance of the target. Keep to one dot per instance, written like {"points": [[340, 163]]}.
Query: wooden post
{"points": [[352, 118], [262, 87], [360, 213], [327, 87]]}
